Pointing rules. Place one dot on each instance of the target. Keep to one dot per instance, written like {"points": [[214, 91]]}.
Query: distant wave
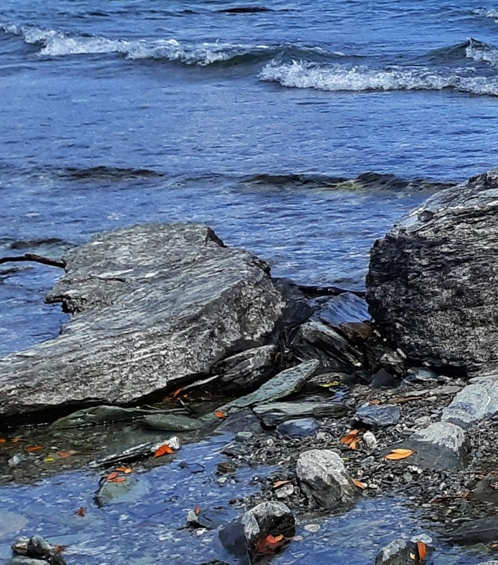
{"points": [[336, 78], [473, 49], [56, 44], [493, 13], [104, 173]]}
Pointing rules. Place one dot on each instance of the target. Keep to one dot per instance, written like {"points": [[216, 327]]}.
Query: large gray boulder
{"points": [[152, 305], [432, 281]]}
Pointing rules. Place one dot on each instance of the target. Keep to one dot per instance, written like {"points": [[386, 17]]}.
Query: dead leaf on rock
{"points": [[350, 437], [112, 476], [280, 483], [33, 448], [177, 392], [219, 414], [359, 484], [163, 450], [3, 440], [117, 480], [126, 470], [64, 454], [269, 544], [399, 454], [422, 550], [197, 510], [375, 402]]}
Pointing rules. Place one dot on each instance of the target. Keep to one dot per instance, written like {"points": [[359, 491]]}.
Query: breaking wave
{"points": [[57, 44], [337, 78]]}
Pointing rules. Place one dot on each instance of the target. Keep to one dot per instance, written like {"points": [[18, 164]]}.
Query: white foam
{"points": [[336, 78], [482, 52]]}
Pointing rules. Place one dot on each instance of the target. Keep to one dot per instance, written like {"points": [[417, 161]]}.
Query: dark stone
{"points": [[302, 427], [383, 379], [482, 530], [243, 421], [486, 490], [153, 305], [385, 415], [432, 280], [398, 552]]}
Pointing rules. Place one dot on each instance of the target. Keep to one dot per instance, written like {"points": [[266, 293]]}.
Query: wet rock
{"points": [[152, 305], [441, 445], [430, 285], [35, 550], [396, 553], [342, 309], [99, 415], [23, 560], [378, 416], [171, 422], [473, 404], [130, 489], [324, 479], [246, 370], [301, 427], [277, 412], [284, 384], [135, 453], [482, 530]]}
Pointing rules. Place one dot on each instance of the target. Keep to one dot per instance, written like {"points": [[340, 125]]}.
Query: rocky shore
{"points": [[174, 333]]}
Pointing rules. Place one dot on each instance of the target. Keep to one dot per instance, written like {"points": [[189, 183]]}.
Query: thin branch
{"points": [[36, 258], [328, 291]]}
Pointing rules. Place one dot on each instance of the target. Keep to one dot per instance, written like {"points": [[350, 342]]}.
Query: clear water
{"points": [[118, 112]]}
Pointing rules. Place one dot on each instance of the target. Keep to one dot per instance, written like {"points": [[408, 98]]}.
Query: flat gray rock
{"points": [[324, 479], [277, 412], [441, 445], [431, 285], [152, 305], [474, 403], [378, 416]]}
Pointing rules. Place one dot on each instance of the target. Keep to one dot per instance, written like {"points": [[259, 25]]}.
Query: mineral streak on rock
{"points": [[432, 281], [152, 304]]}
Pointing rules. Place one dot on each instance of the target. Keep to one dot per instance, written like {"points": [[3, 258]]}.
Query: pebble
{"points": [[370, 440], [243, 436]]}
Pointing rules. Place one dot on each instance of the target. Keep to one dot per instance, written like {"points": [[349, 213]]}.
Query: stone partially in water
{"points": [[171, 422], [153, 304], [472, 404], [396, 553], [431, 282], [441, 445], [324, 479], [379, 416]]}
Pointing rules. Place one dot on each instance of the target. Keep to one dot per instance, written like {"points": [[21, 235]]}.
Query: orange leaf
{"points": [[116, 480], [354, 443], [60, 548], [163, 450], [34, 448], [422, 550], [197, 510], [177, 392], [359, 484], [399, 454], [16, 440], [219, 414], [81, 511], [64, 454], [347, 439], [2, 440], [126, 470], [112, 476], [280, 483], [375, 401], [269, 544]]}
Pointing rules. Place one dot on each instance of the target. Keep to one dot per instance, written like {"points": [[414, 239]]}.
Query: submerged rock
{"points": [[324, 479], [473, 404], [431, 285], [152, 305]]}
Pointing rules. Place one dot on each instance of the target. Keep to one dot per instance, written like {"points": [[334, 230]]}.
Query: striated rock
{"points": [[379, 416], [432, 279], [441, 445], [472, 404], [277, 412], [324, 479], [153, 304]]}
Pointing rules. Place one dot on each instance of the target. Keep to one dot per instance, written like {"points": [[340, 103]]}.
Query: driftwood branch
{"points": [[328, 291], [36, 258]]}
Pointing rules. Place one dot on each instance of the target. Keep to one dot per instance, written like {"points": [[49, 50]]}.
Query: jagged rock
{"points": [[301, 427], [247, 369], [432, 279], [277, 412], [152, 304], [441, 445], [383, 378], [396, 553], [385, 415], [324, 479], [472, 404]]}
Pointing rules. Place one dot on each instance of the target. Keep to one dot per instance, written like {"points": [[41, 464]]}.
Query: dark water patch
{"points": [[37, 244], [244, 10], [104, 173], [369, 181]]}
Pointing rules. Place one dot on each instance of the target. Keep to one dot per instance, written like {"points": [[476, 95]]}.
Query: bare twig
{"points": [[35, 258]]}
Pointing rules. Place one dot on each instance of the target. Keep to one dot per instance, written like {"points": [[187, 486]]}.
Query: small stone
{"points": [[408, 477], [424, 538], [15, 460], [312, 528], [370, 441], [302, 427], [243, 436], [284, 491]]}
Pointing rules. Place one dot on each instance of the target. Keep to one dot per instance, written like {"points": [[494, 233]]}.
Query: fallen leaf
{"points": [[112, 476], [348, 438], [375, 402], [34, 448], [64, 454], [399, 454], [328, 385], [177, 392], [269, 544], [359, 484], [126, 470], [2, 440], [117, 480], [220, 414], [197, 510], [163, 450], [280, 483], [16, 439], [422, 550], [81, 511], [354, 443], [49, 460]]}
